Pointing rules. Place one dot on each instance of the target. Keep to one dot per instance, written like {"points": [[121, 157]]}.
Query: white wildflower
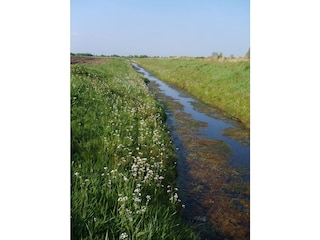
{"points": [[175, 196], [122, 199], [143, 209], [123, 236]]}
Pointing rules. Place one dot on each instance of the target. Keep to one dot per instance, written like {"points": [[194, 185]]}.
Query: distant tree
{"points": [[248, 54], [220, 55], [232, 56], [214, 54], [217, 55]]}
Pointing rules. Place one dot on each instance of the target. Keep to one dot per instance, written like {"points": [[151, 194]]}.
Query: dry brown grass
{"points": [[88, 60]]}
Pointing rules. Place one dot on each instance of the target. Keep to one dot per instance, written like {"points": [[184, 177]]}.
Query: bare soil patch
{"points": [[89, 60]]}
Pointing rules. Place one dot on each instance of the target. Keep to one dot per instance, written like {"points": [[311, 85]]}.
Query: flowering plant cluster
{"points": [[123, 164]]}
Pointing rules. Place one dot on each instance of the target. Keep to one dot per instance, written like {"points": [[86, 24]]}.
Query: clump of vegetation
{"points": [[123, 167], [82, 54], [224, 85]]}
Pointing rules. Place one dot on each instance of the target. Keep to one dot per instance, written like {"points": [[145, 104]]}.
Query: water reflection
{"points": [[214, 163]]}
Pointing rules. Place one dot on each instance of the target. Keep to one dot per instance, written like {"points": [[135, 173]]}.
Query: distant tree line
{"points": [[112, 55], [213, 55], [82, 54], [220, 55]]}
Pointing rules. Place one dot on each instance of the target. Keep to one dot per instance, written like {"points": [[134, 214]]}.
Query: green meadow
{"points": [[123, 162], [221, 84]]}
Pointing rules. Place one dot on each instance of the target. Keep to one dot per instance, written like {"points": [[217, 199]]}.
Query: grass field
{"points": [[123, 164], [221, 84]]}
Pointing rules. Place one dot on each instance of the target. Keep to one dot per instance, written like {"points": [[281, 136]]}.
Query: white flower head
{"points": [[123, 235]]}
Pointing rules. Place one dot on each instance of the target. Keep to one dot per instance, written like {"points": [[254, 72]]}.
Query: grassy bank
{"points": [[221, 84], [122, 159]]}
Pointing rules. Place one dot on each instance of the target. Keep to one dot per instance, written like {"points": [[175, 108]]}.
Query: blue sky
{"points": [[160, 27]]}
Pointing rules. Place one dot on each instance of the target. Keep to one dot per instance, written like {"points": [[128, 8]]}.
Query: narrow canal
{"points": [[213, 163]]}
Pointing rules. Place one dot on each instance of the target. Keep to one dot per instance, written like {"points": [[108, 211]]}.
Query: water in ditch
{"points": [[213, 163]]}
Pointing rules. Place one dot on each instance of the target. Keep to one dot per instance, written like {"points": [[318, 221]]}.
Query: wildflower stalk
{"points": [[120, 158]]}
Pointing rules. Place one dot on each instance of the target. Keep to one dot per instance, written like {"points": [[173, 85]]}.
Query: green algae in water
{"points": [[217, 189], [240, 135]]}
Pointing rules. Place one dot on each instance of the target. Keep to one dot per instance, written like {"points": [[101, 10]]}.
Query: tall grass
{"points": [[221, 84], [122, 159]]}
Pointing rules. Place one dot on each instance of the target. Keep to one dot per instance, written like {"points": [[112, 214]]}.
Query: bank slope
{"points": [[221, 84], [123, 165]]}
